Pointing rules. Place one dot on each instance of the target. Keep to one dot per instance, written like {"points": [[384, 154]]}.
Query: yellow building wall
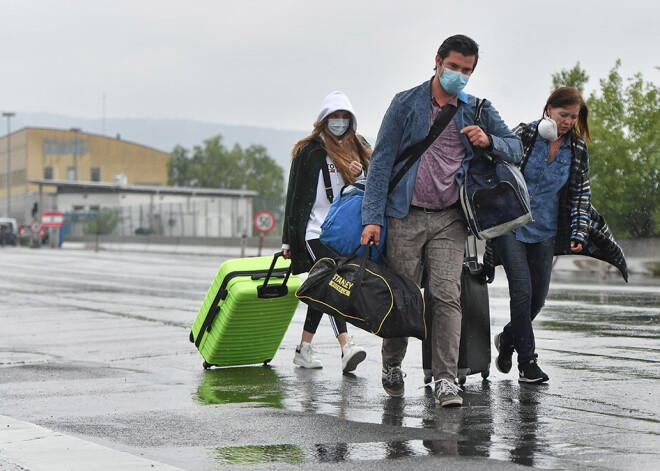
{"points": [[33, 149]]}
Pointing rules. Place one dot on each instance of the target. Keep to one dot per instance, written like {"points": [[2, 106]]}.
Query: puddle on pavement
{"points": [[343, 452], [258, 385]]}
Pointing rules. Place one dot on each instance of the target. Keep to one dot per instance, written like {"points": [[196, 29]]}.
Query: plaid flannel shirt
{"points": [[577, 219]]}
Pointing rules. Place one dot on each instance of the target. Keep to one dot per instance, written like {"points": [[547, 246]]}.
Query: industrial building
{"points": [[79, 174]]}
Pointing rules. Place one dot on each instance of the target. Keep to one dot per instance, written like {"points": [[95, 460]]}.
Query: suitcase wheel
{"points": [[206, 365], [485, 373], [191, 338], [461, 379]]}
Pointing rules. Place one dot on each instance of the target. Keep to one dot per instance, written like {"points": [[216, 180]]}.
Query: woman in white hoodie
{"points": [[334, 146]]}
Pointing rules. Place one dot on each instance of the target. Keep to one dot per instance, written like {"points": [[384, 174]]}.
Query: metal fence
{"points": [[228, 218]]}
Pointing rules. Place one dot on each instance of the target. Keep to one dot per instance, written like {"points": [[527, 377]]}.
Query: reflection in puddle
{"points": [[252, 454], [258, 385], [332, 453]]}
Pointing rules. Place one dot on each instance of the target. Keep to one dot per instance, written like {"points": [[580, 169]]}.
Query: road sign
{"points": [[264, 221], [35, 226], [51, 219]]}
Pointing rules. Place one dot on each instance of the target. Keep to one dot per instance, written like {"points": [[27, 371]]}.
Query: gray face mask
{"points": [[338, 126], [548, 129]]}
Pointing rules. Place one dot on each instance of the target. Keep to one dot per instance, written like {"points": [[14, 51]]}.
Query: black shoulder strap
{"points": [[480, 106], [326, 180], [414, 152]]}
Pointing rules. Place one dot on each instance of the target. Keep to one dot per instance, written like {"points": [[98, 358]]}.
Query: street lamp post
{"points": [[75, 153], [8, 115]]}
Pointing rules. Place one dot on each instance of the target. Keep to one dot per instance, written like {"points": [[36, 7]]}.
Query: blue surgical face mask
{"points": [[452, 81], [338, 126]]}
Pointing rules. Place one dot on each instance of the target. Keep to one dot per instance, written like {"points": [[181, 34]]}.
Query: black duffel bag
{"points": [[371, 296]]}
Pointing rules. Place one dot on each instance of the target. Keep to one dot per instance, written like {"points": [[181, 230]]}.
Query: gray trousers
{"points": [[434, 243]]}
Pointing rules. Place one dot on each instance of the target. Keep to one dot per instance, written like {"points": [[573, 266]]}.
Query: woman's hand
{"points": [[286, 254], [355, 168], [576, 246]]}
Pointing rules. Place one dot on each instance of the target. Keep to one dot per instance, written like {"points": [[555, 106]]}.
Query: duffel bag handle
{"points": [[363, 266]]}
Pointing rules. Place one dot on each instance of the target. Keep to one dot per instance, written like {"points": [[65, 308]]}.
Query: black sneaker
{"points": [[503, 362], [393, 380], [531, 373]]}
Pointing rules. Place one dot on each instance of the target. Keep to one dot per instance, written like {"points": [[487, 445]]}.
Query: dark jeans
{"points": [[528, 268], [317, 250]]}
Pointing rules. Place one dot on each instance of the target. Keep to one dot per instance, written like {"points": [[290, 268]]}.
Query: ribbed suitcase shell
{"points": [[247, 329]]}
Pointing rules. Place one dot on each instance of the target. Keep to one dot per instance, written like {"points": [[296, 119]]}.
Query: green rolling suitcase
{"points": [[246, 312]]}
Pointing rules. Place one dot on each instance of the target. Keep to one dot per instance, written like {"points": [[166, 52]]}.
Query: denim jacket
{"points": [[406, 123]]}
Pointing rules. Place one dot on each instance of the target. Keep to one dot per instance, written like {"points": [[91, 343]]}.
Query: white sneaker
{"points": [[306, 357], [351, 356]]}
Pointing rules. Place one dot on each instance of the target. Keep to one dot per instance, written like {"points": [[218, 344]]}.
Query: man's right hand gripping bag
{"points": [[368, 295]]}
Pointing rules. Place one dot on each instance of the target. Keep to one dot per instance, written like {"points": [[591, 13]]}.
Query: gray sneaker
{"points": [[446, 394], [393, 380]]}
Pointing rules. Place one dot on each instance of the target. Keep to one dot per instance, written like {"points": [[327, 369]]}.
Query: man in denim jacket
{"points": [[425, 226]]}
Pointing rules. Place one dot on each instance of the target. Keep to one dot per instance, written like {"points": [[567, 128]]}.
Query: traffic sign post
{"points": [[264, 222], [35, 228], [52, 220]]}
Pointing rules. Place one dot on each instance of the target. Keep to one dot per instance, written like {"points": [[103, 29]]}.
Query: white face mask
{"points": [[338, 126], [548, 129]]}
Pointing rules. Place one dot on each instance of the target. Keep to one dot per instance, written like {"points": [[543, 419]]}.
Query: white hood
{"points": [[334, 102]]}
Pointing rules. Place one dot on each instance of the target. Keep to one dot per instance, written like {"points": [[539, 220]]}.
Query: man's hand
{"points": [[370, 230], [355, 168], [476, 135], [286, 253]]}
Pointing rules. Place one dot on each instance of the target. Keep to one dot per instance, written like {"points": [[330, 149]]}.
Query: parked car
{"points": [[25, 235], [7, 236]]}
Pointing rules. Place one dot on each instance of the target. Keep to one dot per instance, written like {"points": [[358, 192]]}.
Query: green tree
{"points": [[625, 155], [104, 223], [214, 166], [576, 77]]}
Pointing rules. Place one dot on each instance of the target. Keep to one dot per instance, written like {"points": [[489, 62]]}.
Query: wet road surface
{"points": [[96, 372]]}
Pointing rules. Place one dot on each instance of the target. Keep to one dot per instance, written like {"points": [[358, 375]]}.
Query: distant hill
{"points": [[165, 134]]}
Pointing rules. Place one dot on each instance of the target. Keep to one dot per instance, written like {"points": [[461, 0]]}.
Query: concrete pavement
{"points": [[96, 372]]}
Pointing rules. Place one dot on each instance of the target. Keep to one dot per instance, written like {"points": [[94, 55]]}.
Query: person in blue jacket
{"points": [[556, 170], [426, 230]]}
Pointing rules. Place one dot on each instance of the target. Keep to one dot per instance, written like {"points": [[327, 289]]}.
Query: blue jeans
{"points": [[528, 268]]}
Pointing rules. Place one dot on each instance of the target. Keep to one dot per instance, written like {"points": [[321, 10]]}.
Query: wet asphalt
{"points": [[94, 347]]}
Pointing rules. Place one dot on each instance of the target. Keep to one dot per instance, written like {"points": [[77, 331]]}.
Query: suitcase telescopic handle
{"points": [[274, 291], [471, 258]]}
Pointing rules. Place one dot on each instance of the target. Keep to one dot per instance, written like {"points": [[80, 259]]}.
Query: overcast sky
{"points": [[270, 62]]}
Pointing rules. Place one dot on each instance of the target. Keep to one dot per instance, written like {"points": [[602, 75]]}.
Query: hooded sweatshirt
{"points": [[334, 102]]}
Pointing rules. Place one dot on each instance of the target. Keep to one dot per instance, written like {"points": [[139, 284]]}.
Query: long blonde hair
{"points": [[341, 151]]}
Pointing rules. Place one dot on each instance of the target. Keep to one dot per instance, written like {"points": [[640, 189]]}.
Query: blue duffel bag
{"points": [[342, 228]]}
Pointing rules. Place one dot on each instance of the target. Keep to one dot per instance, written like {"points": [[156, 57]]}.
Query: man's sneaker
{"points": [[351, 356], [503, 362], [393, 380], [531, 373], [306, 357], [446, 394]]}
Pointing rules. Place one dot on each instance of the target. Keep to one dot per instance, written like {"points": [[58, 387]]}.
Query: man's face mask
{"points": [[452, 81]]}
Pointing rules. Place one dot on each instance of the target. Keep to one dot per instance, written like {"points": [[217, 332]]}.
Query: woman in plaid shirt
{"points": [[556, 169]]}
